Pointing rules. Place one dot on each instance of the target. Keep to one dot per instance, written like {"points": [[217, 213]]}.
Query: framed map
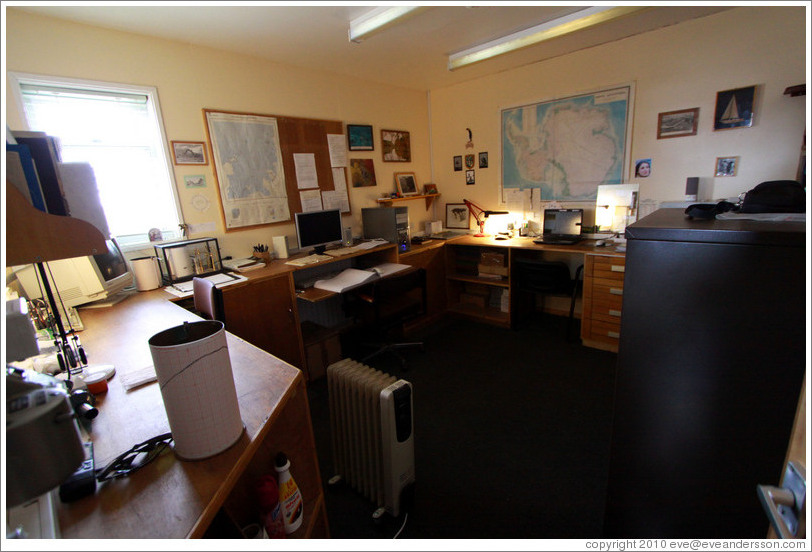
{"points": [[567, 147], [248, 168]]}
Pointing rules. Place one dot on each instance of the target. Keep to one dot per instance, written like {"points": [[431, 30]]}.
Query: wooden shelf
{"points": [[429, 199], [502, 282]]}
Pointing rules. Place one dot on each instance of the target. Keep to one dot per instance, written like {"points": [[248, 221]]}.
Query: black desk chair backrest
{"points": [[207, 299], [548, 278]]}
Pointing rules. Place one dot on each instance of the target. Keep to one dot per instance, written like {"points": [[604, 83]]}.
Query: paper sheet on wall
{"points": [[336, 199], [517, 200], [338, 150], [306, 176], [339, 179], [311, 200]]}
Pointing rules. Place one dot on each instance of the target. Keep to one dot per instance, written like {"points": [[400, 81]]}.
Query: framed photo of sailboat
{"points": [[734, 108]]}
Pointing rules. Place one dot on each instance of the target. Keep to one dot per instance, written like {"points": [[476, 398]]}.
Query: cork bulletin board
{"points": [[268, 167]]}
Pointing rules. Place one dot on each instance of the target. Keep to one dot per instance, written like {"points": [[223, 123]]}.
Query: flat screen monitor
{"points": [[81, 280], [318, 229], [563, 222]]}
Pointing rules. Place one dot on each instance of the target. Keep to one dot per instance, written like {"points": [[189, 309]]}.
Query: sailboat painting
{"points": [[734, 108]]}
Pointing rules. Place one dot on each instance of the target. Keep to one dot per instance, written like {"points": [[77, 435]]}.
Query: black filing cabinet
{"points": [[710, 369]]}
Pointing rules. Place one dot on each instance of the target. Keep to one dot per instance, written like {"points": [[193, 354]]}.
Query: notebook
{"points": [[562, 226]]}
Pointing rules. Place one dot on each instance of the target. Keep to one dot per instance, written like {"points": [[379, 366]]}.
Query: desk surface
{"points": [[584, 247], [168, 498]]}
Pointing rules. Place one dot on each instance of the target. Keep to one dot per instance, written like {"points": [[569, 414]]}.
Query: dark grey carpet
{"points": [[512, 432]]}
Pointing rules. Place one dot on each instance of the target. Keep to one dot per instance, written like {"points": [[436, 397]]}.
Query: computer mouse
{"points": [[501, 238], [600, 243]]}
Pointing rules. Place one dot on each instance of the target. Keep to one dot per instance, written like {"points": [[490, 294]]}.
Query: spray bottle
{"points": [[290, 499]]}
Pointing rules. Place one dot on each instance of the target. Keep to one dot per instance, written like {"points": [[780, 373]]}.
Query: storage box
{"points": [[492, 258], [492, 269]]}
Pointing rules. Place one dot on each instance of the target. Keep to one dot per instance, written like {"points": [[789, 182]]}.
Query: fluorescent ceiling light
{"points": [[577, 21], [378, 19]]}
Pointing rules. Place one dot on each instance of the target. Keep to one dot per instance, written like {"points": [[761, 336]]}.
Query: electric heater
{"points": [[373, 441]]}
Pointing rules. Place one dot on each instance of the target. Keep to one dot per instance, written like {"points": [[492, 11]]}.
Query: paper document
{"points": [[385, 269], [350, 278], [371, 243], [186, 289]]}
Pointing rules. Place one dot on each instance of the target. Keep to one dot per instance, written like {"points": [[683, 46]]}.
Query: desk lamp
{"points": [[480, 215]]}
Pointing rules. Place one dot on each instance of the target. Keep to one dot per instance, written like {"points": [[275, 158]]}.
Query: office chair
{"points": [[207, 299], [384, 307], [532, 276]]}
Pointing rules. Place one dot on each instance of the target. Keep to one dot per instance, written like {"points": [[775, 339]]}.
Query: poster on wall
{"points": [[567, 147], [248, 168]]}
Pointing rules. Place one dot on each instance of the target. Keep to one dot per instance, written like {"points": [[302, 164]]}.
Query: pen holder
{"points": [[264, 256]]}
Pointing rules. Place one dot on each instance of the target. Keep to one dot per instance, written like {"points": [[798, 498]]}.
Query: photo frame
{"points": [[457, 163], [483, 159], [430, 189], [727, 166], [362, 173], [396, 145], [469, 161], [406, 183], [470, 177], [458, 216], [359, 138], [673, 124], [189, 153], [734, 108]]}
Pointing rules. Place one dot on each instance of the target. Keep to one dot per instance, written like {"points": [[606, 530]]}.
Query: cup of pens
{"points": [[261, 253]]}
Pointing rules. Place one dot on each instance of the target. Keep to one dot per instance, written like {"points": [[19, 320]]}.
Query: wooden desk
{"points": [[170, 498], [602, 291]]}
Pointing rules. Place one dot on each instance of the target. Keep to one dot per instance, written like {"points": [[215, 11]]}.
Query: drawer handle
{"points": [[613, 312], [616, 291], [616, 335], [618, 268]]}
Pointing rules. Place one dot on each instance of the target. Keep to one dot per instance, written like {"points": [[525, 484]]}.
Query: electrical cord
{"points": [[405, 519]]}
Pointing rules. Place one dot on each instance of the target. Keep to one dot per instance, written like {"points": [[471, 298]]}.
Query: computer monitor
{"points": [[563, 222], [81, 280], [318, 229]]}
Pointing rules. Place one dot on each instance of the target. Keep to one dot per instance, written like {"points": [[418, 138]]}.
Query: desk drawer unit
{"points": [[603, 300]]}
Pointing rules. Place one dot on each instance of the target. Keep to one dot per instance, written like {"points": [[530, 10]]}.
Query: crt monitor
{"points": [[81, 280], [318, 229]]}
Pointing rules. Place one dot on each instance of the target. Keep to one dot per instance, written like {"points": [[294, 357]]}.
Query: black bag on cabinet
{"points": [[775, 196]]}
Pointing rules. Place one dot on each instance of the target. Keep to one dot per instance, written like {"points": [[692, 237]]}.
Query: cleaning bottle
{"points": [[290, 499], [271, 511]]}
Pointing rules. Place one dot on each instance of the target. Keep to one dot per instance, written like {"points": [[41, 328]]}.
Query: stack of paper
{"points": [[348, 279]]}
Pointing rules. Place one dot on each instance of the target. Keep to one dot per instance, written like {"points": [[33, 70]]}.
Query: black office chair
{"points": [[535, 276], [384, 307], [208, 299]]}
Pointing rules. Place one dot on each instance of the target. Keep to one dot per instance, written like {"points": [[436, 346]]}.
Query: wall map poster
{"points": [[567, 147], [248, 167]]}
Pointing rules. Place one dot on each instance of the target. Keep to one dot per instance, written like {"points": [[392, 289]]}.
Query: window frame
{"points": [[15, 79]]}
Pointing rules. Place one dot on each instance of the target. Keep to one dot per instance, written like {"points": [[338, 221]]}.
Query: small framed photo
{"points": [[457, 216], [470, 178], [406, 183], [727, 166], [430, 189], [194, 180], [359, 138], [458, 162], [362, 173], [189, 153], [673, 124], [469, 161], [483, 159], [734, 108], [396, 145]]}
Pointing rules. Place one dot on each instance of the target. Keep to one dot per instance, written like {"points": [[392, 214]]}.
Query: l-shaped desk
{"points": [[264, 309]]}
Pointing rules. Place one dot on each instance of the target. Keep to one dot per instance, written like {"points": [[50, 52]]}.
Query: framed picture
{"points": [[470, 178], [727, 166], [189, 153], [458, 162], [396, 145], [483, 159], [359, 138], [734, 108], [406, 183], [469, 161], [194, 180], [430, 189], [457, 216], [672, 124], [362, 173]]}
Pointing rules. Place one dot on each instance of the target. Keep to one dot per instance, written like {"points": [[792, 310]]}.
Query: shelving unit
{"points": [[390, 200], [469, 294]]}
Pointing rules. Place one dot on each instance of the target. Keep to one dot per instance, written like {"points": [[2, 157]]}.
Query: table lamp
{"points": [[480, 215]]}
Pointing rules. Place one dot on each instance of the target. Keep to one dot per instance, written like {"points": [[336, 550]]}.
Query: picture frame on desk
{"points": [[406, 183], [189, 153], [457, 216]]}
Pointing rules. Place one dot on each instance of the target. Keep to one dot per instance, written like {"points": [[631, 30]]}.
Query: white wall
{"points": [[190, 78], [678, 67]]}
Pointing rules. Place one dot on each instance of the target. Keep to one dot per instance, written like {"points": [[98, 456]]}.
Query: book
{"points": [[348, 279]]}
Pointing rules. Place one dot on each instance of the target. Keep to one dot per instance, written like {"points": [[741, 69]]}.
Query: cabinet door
{"points": [[264, 314]]}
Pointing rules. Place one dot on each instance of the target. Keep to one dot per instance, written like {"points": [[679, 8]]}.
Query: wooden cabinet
{"points": [[477, 295], [264, 314], [431, 258], [602, 301]]}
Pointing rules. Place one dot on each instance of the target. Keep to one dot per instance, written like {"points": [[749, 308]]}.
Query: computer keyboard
{"points": [[342, 251], [309, 260], [556, 241]]}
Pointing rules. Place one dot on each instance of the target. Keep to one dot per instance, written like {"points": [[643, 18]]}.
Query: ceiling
{"points": [[412, 53]]}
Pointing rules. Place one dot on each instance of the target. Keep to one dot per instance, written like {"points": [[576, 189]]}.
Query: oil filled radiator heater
{"points": [[373, 442]]}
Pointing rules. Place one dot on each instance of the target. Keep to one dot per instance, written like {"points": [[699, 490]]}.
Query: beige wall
{"points": [[190, 78], [678, 67]]}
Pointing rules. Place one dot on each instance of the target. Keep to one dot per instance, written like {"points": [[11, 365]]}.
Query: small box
{"points": [[491, 258]]}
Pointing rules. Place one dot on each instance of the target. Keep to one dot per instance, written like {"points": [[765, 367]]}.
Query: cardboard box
{"points": [[491, 258], [492, 269]]}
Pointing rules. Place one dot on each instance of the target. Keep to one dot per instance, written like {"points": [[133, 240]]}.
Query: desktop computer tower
{"points": [[389, 223]]}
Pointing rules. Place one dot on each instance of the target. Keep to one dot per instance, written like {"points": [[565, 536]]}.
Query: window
{"points": [[118, 130]]}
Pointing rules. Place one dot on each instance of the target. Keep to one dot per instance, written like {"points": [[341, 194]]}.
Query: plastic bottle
{"points": [[290, 499], [271, 511]]}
